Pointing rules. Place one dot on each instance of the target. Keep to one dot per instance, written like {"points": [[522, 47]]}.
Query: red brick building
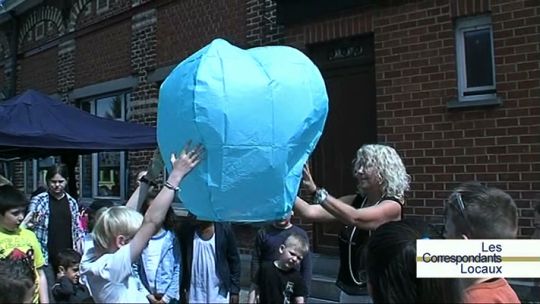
{"points": [[453, 85]]}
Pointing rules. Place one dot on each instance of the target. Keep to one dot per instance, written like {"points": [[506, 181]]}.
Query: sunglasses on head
{"points": [[460, 207]]}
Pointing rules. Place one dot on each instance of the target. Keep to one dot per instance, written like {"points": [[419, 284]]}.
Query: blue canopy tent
{"points": [[34, 125]]}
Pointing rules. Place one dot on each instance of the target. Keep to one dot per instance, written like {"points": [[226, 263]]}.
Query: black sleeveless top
{"points": [[358, 243]]}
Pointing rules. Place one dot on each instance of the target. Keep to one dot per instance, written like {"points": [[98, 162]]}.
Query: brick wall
{"points": [[40, 25], [345, 24], [89, 14], [416, 77], [66, 68], [261, 22], [144, 97], [38, 72], [186, 26], [103, 55]]}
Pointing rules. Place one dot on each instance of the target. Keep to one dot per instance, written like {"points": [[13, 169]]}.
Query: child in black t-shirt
{"points": [[67, 288], [279, 281]]}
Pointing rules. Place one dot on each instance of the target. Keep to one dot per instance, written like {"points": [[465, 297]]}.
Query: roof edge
{"points": [[16, 7]]}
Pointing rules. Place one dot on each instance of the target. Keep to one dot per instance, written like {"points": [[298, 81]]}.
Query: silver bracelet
{"points": [[171, 187], [320, 196]]}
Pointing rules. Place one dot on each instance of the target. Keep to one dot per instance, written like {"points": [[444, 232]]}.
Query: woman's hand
{"points": [[307, 180]]}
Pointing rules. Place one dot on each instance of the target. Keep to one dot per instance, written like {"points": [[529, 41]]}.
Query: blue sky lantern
{"points": [[259, 113]]}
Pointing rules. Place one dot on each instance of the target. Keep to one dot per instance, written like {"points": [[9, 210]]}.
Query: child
{"points": [[391, 267], [210, 263], [475, 211], [12, 208], [90, 215], [120, 235], [17, 278], [67, 288], [279, 281], [159, 267], [267, 243]]}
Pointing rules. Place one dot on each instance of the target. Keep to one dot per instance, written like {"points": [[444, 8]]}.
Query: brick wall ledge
{"points": [[491, 101], [104, 87]]}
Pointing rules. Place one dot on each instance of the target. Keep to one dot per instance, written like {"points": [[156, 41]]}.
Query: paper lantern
{"points": [[258, 112]]}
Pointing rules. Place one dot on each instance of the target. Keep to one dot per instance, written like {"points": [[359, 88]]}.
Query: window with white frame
{"points": [[103, 174], [475, 59]]}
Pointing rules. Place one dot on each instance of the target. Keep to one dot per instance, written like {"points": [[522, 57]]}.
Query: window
{"points": [[87, 9], [40, 30], [103, 174], [102, 6], [475, 59]]}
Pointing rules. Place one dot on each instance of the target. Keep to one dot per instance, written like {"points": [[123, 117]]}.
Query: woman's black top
{"points": [[358, 244]]}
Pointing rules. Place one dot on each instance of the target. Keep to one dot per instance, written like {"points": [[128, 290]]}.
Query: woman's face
{"points": [[57, 184], [366, 176]]}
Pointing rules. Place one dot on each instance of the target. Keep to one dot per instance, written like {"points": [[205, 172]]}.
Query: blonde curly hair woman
{"points": [[382, 182]]}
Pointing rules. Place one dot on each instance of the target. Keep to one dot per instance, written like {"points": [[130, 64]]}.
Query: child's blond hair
{"points": [[115, 221]]}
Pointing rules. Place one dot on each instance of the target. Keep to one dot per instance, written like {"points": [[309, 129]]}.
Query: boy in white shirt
{"points": [[120, 235]]}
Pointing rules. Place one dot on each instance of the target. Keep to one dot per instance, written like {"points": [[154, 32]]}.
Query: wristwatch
{"points": [[320, 196]]}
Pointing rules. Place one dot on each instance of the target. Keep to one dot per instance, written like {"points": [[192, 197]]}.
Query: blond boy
{"points": [[120, 235]]}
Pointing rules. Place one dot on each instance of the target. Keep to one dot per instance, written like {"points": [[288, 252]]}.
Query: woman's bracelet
{"points": [[171, 187], [320, 196]]}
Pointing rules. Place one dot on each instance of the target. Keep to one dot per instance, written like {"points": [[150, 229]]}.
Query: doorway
{"points": [[348, 68]]}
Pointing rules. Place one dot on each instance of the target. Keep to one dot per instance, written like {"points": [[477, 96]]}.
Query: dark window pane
{"points": [[85, 106], [478, 58], [109, 174], [85, 181], [109, 107], [29, 177]]}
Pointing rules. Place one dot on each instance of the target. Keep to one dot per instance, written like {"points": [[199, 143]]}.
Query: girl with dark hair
{"points": [[391, 268], [55, 218]]}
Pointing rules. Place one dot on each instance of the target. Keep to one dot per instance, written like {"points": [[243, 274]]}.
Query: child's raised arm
{"points": [[155, 215]]}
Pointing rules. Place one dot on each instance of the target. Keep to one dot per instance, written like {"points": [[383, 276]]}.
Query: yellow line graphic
{"points": [[521, 259], [504, 259]]}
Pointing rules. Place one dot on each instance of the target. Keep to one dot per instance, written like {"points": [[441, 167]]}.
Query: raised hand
{"points": [[307, 180]]}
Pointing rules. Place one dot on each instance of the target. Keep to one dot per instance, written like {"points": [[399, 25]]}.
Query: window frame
{"points": [[464, 25], [40, 30], [125, 95], [102, 6]]}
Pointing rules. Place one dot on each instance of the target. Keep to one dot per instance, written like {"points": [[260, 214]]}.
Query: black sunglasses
{"points": [[460, 206]]}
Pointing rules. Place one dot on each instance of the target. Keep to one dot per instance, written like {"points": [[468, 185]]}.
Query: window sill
{"points": [[487, 102]]}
